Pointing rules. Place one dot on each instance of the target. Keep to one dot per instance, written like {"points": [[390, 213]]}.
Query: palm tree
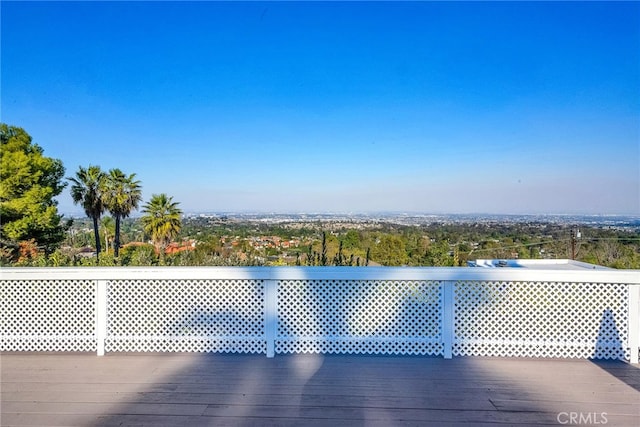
{"points": [[161, 220], [122, 195], [108, 228], [86, 190]]}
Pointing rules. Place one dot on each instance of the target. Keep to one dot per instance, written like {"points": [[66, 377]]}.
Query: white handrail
{"points": [[325, 273]]}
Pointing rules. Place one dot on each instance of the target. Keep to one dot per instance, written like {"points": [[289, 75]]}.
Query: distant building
{"points": [[535, 264], [173, 248]]}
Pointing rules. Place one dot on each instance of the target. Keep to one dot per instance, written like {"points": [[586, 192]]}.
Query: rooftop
{"points": [[536, 264]]}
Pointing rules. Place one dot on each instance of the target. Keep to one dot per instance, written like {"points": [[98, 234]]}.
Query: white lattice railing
{"points": [[426, 311]]}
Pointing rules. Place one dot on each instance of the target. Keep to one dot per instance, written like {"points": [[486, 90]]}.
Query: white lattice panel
{"points": [[47, 315], [541, 319], [186, 316], [351, 316]]}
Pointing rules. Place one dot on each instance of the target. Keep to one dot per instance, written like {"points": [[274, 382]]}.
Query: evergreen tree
{"points": [[323, 257], [29, 181]]}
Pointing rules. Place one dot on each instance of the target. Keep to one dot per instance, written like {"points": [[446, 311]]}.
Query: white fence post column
{"points": [[271, 315], [634, 322], [101, 315], [448, 312]]}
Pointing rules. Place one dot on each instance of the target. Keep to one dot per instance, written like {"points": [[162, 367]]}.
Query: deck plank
{"points": [[204, 389]]}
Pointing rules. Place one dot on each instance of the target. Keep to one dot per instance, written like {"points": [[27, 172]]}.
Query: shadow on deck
{"points": [[178, 389]]}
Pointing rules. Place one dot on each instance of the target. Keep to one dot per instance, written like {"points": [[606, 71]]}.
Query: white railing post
{"points": [[271, 315], [448, 312], [101, 315], [634, 322]]}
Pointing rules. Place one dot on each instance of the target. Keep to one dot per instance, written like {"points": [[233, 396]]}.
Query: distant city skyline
{"points": [[433, 107]]}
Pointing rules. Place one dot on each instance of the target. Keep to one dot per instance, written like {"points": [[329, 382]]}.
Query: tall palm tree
{"points": [[161, 220], [122, 195], [86, 190]]}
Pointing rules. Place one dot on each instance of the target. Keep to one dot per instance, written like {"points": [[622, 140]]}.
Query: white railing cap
{"points": [[325, 273]]}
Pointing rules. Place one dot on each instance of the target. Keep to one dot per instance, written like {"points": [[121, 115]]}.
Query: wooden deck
{"points": [[246, 390]]}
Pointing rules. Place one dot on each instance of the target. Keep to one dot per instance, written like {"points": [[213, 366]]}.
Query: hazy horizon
{"points": [[430, 107], [78, 213]]}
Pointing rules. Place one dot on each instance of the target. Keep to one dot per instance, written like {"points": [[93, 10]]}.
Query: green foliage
{"points": [[612, 253], [104, 261], [161, 220], [139, 255], [221, 244], [323, 253], [438, 255], [121, 194], [389, 250], [87, 190], [58, 259], [29, 181], [108, 225], [204, 257], [351, 240]]}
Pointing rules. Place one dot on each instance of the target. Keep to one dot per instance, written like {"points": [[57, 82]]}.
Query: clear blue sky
{"points": [[431, 107]]}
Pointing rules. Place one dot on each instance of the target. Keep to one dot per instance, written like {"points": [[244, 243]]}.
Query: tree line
{"points": [[32, 232], [120, 194], [30, 181], [239, 242]]}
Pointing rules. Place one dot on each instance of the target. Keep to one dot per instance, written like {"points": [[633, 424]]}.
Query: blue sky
{"points": [[442, 107]]}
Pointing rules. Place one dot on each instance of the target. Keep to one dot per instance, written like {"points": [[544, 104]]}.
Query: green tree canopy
{"points": [[29, 181], [389, 250], [121, 195], [86, 189], [161, 220], [351, 240]]}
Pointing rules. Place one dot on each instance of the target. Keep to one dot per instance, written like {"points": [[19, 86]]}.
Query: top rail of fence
{"points": [[326, 273]]}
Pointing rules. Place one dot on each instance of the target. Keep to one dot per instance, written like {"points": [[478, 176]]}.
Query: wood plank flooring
{"points": [[251, 390]]}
